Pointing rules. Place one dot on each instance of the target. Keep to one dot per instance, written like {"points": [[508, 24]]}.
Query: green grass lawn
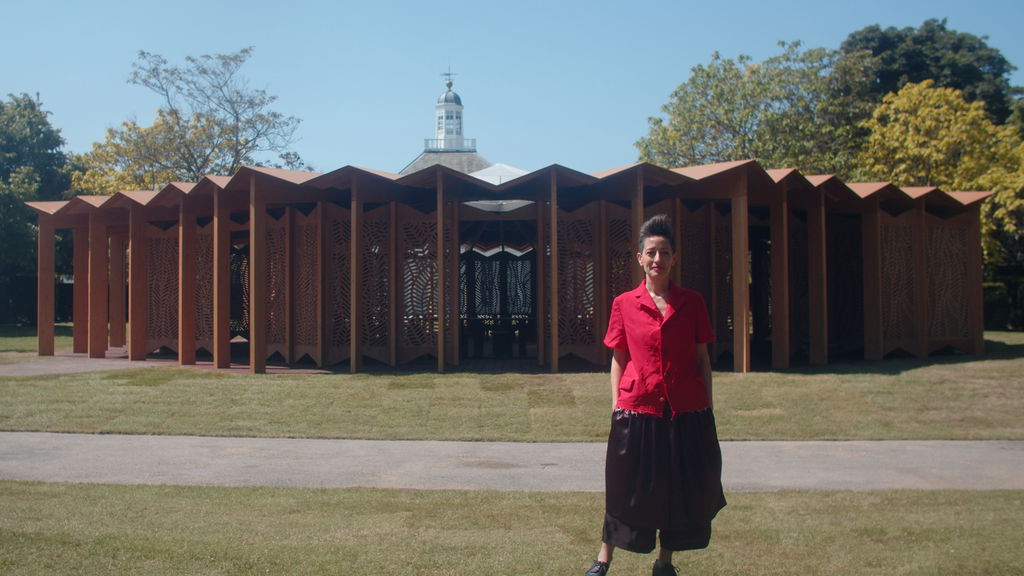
{"points": [[63, 529], [950, 397], [55, 530]]}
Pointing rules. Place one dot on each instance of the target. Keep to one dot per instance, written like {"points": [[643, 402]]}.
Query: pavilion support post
{"points": [[602, 280], [453, 283], [713, 297], [919, 227], [257, 280], [394, 325], [740, 276], [46, 272], [975, 293], [439, 243], [677, 228], [116, 292], [221, 281], [138, 284], [817, 276], [186, 283], [780, 277], [638, 220], [98, 261], [871, 226], [539, 291], [554, 270], [80, 290], [355, 279], [321, 285]]}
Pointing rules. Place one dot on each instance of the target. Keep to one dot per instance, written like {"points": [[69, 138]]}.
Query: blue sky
{"points": [[543, 81]]}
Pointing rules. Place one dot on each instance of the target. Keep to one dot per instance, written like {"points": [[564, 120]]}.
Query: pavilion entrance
{"points": [[497, 303]]}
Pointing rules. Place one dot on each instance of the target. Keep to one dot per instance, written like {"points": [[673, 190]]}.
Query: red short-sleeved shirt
{"points": [[661, 364]]}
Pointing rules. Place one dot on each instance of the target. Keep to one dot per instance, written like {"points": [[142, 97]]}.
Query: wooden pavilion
{"points": [[364, 267]]}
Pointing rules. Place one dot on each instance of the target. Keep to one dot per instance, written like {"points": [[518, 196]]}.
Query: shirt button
{"points": [[662, 399]]}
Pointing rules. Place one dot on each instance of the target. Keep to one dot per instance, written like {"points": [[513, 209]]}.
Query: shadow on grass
{"points": [[1000, 346]]}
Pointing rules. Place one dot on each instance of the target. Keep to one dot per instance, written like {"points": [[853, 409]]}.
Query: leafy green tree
{"points": [[210, 122], [925, 135], [32, 167], [933, 52], [799, 108]]}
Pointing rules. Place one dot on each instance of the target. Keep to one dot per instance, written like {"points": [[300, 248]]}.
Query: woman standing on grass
{"points": [[664, 465]]}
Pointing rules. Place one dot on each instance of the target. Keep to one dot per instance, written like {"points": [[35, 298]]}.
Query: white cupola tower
{"points": [[448, 135]]}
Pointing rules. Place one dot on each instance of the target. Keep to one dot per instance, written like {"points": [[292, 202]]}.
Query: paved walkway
{"points": [[205, 461], [749, 466]]}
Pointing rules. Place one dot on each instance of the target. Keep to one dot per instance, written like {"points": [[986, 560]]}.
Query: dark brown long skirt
{"points": [[665, 475]]}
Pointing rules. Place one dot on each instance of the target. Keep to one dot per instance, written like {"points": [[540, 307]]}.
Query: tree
{"points": [[32, 167], [952, 59], [210, 122], [799, 108], [925, 135]]}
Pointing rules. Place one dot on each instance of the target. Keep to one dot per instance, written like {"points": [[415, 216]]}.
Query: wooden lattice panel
{"points": [[418, 297], [577, 300], [338, 320], [306, 285], [375, 247], [240, 291], [693, 248], [621, 257], [276, 285], [898, 247], [204, 287], [948, 248], [162, 308]]}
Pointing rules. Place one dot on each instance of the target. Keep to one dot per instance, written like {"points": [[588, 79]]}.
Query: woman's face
{"points": [[656, 258]]}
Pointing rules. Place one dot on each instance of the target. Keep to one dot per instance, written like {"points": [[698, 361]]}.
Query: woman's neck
{"points": [[657, 287]]}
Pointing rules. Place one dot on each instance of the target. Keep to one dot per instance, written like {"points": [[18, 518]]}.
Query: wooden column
{"points": [[355, 279], [440, 271], [780, 278], [321, 286], [116, 292], [602, 280], [98, 260], [554, 270], [740, 276], [638, 220], [80, 294], [713, 297], [221, 281], [919, 229], [817, 277], [257, 280], [394, 325], [453, 282], [46, 272], [186, 283], [975, 293], [541, 307], [138, 284], [871, 228]]}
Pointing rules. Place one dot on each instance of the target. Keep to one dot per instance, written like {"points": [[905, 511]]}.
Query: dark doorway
{"points": [[497, 291]]}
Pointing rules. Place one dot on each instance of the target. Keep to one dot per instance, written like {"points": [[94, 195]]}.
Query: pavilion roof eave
{"points": [[47, 207], [239, 182]]}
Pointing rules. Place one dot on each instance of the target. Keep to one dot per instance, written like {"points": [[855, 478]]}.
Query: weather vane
{"points": [[448, 77]]}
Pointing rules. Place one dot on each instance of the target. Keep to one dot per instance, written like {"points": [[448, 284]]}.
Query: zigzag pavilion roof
{"points": [[695, 182]]}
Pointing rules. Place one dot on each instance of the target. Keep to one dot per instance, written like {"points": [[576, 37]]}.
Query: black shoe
{"points": [[659, 570], [598, 569]]}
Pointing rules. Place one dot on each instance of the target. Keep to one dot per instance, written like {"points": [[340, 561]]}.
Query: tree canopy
{"points": [[32, 167], [801, 107], [210, 122], [933, 52]]}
